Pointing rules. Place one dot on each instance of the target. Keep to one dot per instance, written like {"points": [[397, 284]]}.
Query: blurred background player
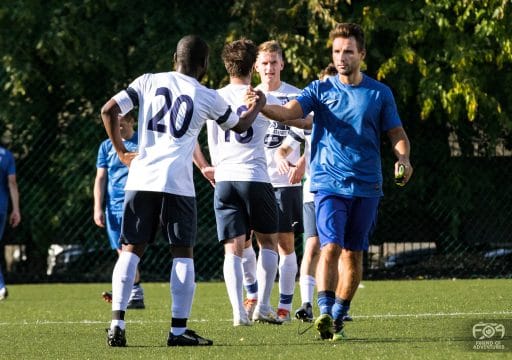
{"points": [[160, 189], [8, 189], [111, 175]]}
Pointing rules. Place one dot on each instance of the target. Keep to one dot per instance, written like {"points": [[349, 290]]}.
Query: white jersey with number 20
{"points": [[173, 108]]}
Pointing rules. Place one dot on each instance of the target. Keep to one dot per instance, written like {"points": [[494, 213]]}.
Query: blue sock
{"points": [[252, 288], [325, 301], [340, 308]]}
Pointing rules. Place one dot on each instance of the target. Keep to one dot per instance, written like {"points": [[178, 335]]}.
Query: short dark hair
{"points": [[191, 52], [239, 57], [346, 30], [129, 116]]}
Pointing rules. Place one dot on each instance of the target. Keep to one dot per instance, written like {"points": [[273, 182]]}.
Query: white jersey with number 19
{"points": [[173, 108], [239, 157]]}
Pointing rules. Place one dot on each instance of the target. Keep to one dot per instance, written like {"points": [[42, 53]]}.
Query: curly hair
{"points": [[239, 57]]}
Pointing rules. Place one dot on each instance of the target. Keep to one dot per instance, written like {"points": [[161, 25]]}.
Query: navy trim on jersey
{"points": [[296, 137], [133, 96], [224, 117]]}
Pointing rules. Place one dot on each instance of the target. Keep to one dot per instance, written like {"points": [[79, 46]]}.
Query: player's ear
{"points": [[175, 60]]}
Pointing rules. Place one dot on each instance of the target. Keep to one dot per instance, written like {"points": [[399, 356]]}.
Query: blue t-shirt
{"points": [[347, 126], [7, 167], [117, 172]]}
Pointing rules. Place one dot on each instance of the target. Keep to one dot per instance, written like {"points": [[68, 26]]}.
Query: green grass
{"points": [[425, 319]]}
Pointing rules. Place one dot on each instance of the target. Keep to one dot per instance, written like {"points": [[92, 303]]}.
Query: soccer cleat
{"points": [[116, 337], [136, 304], [339, 331], [347, 317], [325, 326], [305, 312], [241, 320], [188, 338], [267, 315], [4, 293], [136, 300], [283, 315], [107, 296], [339, 335], [249, 305]]}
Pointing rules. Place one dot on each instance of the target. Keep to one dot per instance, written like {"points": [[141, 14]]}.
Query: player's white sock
{"points": [[266, 275], [233, 277], [307, 288], [182, 290], [119, 323], [287, 274], [122, 279], [249, 264]]}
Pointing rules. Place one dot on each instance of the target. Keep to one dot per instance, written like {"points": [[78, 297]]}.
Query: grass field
{"points": [[420, 319]]}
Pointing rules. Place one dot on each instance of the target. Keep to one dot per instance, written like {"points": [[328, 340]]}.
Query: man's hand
{"points": [[254, 96], [127, 157], [99, 218], [209, 173]]}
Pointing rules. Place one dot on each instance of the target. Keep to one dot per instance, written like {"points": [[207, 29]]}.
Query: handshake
{"points": [[254, 97]]}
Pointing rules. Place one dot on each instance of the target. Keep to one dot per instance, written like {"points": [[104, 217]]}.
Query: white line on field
{"points": [[376, 316]]}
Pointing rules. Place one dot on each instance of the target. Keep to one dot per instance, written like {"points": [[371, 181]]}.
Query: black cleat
{"points": [[136, 304], [116, 337], [305, 313], [189, 338], [347, 317]]}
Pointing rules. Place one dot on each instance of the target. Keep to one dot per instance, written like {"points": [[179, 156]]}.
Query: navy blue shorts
{"points": [[241, 206], [146, 211], [3, 220], [346, 221], [289, 202]]}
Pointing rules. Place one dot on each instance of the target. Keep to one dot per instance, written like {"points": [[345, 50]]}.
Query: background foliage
{"points": [[447, 61]]}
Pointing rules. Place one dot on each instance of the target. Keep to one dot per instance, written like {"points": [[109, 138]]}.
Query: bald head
{"points": [[191, 57]]}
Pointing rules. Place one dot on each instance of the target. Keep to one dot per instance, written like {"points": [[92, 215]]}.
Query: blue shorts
{"points": [[289, 202], [242, 206], [346, 221], [113, 221], [146, 211]]}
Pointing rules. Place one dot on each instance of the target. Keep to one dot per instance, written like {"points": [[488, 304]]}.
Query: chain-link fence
{"points": [[452, 220]]}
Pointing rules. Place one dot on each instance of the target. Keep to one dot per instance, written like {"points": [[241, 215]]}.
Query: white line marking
{"points": [[376, 316]]}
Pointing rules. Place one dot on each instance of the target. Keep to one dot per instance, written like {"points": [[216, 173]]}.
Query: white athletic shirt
{"points": [[239, 157], [172, 110], [276, 133], [293, 140]]}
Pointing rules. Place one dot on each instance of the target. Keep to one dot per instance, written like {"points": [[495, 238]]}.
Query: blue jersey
{"points": [[117, 172], [347, 126], [7, 167]]}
